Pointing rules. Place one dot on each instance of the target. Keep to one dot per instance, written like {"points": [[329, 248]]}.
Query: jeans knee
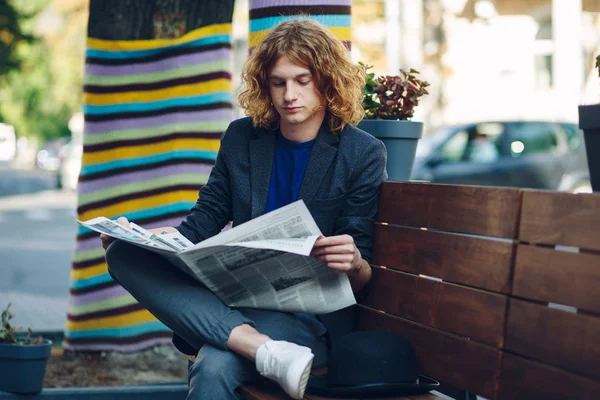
{"points": [[114, 256], [216, 366], [218, 373]]}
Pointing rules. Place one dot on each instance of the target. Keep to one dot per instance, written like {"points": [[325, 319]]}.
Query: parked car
{"points": [[70, 165], [47, 158], [529, 154]]}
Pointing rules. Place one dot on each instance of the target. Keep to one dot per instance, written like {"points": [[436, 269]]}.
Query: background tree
{"points": [[41, 88], [10, 37]]}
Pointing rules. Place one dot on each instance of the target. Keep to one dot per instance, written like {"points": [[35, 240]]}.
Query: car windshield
{"points": [[432, 140]]}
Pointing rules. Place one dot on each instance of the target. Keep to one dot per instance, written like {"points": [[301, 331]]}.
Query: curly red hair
{"points": [[310, 44]]}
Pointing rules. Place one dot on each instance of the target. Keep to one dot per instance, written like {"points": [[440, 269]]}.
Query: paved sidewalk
{"points": [[36, 245], [40, 313]]}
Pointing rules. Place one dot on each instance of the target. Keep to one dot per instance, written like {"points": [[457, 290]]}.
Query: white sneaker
{"points": [[286, 363]]}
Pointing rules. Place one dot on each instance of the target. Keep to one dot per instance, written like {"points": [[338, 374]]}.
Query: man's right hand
{"points": [[106, 240]]}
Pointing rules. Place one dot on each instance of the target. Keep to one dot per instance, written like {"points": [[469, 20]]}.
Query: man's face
{"points": [[294, 94]]}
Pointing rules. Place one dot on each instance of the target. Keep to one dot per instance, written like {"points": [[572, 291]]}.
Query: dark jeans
{"points": [[202, 320]]}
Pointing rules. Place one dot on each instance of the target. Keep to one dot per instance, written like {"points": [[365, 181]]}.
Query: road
{"points": [[37, 238], [21, 181]]}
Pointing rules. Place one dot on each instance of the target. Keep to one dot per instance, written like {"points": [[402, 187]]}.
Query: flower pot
{"points": [[22, 367], [589, 121], [400, 139]]}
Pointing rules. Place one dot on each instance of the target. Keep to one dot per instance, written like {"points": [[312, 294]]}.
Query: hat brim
{"points": [[318, 385]]}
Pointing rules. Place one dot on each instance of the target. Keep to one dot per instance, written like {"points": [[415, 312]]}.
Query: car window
{"points": [[479, 143], [454, 148], [573, 134], [533, 137]]}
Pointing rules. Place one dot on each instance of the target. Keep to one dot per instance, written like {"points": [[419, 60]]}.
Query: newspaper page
{"points": [[134, 234], [265, 263]]}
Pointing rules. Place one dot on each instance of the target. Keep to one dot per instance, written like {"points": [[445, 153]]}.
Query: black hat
{"points": [[371, 364]]}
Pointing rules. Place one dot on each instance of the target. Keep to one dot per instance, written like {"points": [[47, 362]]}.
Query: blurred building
{"points": [[485, 59], [499, 59]]}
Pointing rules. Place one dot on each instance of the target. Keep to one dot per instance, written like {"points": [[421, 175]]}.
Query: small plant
{"points": [[598, 64], [8, 333], [392, 97]]}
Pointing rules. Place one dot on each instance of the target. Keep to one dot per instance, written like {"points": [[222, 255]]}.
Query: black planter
{"points": [[400, 139], [22, 367], [589, 121]]}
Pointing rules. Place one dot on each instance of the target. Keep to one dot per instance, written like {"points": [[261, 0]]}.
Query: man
{"points": [[301, 95]]}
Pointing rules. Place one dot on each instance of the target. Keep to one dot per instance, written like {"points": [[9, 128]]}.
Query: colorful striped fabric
{"points": [[154, 112], [266, 14]]}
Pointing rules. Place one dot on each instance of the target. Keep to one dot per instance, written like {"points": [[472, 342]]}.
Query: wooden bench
{"points": [[497, 288]]}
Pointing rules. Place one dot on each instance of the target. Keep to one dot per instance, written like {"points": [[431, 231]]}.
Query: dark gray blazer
{"points": [[340, 186]]}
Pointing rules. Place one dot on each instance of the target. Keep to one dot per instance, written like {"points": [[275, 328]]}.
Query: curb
{"points": [[163, 391]]}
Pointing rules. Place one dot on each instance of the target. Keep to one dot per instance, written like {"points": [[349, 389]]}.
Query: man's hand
{"points": [[339, 253], [106, 240]]}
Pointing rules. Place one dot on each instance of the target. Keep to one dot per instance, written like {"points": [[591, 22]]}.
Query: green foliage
{"points": [[40, 97], [8, 333], [598, 64], [392, 97], [11, 35]]}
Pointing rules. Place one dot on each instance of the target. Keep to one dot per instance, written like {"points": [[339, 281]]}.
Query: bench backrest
{"points": [[467, 273]]}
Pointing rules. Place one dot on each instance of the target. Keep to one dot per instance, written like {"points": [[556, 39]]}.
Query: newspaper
{"points": [[263, 263]]}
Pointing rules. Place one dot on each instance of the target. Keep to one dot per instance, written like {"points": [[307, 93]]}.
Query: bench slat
{"points": [[266, 390], [457, 362], [561, 338], [561, 218], [547, 275], [525, 379], [269, 390], [472, 261], [428, 396], [456, 309], [469, 209]]}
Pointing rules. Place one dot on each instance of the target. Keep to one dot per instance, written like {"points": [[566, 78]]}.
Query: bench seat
{"points": [[497, 289], [271, 391]]}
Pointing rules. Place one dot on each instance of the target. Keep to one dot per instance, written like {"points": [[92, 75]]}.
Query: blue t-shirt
{"points": [[289, 164]]}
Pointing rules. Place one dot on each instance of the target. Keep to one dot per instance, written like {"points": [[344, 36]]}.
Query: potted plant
{"points": [[22, 359], [389, 102], [589, 121]]}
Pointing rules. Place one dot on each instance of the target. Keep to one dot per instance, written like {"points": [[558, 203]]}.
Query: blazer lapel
{"points": [[321, 157], [262, 149]]}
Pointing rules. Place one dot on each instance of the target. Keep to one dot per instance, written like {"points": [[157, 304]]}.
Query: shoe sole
{"points": [[302, 368]]}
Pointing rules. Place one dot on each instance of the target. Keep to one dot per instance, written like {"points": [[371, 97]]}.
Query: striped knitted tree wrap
{"points": [[266, 14], [154, 108]]}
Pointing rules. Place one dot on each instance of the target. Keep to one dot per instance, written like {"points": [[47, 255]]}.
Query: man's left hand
{"points": [[339, 253]]}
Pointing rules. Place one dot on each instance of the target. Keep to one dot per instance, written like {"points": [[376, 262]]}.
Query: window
{"points": [[454, 148], [477, 144], [484, 143], [574, 135], [533, 137], [544, 53]]}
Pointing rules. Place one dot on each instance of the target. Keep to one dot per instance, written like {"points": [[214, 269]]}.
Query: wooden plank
{"points": [[461, 363], [427, 396], [525, 379], [267, 390], [469, 260], [557, 337], [548, 275], [463, 311], [477, 210], [561, 218]]}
